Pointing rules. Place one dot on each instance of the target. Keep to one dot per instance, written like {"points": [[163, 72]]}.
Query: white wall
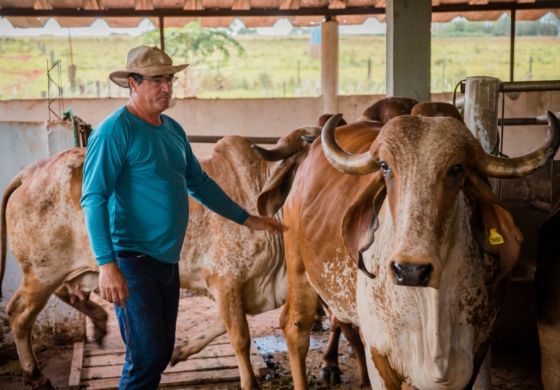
{"points": [[23, 143]]}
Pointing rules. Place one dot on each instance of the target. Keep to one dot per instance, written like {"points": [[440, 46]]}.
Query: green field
{"points": [[269, 67]]}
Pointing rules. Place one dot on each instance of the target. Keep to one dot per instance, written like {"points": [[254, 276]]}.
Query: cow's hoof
{"points": [[176, 357], [330, 375], [98, 335]]}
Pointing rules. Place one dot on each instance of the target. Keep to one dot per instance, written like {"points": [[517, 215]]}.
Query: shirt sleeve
{"points": [[104, 160], [201, 187]]}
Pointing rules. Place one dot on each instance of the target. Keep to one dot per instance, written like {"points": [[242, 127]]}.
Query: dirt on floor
{"points": [[509, 372]]}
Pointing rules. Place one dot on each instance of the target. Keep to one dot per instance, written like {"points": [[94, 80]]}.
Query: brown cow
{"points": [[276, 190], [243, 271], [429, 285]]}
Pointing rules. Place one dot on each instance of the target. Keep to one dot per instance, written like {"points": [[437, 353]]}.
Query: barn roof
{"points": [[253, 13]]}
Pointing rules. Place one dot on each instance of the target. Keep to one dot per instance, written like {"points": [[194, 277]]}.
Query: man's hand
{"points": [[112, 284], [269, 224]]}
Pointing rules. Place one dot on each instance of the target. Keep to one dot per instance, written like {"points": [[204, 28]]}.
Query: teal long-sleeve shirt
{"points": [[134, 191]]}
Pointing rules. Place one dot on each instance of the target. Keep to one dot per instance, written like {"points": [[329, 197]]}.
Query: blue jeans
{"points": [[147, 320]]}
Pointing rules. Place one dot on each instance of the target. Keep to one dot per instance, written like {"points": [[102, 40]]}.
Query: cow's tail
{"points": [[12, 186]]}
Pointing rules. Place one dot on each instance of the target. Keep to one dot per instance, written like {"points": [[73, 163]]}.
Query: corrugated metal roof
{"points": [[254, 13]]}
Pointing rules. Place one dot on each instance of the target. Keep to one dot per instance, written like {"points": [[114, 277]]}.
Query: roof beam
{"points": [[210, 12], [320, 11]]}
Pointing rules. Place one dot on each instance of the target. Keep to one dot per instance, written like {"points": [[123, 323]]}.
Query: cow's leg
{"points": [[330, 372], [23, 308], [197, 343], [91, 309], [297, 318], [229, 300], [353, 336]]}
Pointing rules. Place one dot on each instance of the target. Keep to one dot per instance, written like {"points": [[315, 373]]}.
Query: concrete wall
{"points": [[275, 117], [23, 143]]}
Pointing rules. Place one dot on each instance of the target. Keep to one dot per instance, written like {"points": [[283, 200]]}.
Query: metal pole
{"points": [[161, 34], [526, 86], [512, 44]]}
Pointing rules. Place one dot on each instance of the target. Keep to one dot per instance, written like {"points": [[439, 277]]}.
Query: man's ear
{"points": [[496, 232]]}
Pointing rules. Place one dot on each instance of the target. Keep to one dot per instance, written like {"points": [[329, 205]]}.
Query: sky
{"points": [[100, 28]]}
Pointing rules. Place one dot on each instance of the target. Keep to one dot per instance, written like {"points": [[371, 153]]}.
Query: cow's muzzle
{"points": [[416, 275]]}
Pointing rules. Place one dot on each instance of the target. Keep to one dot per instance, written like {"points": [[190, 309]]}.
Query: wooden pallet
{"points": [[95, 368]]}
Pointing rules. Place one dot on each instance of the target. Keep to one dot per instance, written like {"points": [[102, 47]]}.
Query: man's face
{"points": [[154, 93]]}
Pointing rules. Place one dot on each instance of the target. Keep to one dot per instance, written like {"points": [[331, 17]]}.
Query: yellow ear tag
{"points": [[495, 238]]}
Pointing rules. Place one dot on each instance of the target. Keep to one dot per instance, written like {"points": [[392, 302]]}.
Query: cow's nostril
{"points": [[417, 275]]}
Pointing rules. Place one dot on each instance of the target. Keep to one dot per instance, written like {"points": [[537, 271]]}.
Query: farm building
{"points": [[484, 329]]}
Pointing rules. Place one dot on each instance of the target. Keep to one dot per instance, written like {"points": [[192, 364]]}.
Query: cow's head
{"points": [[293, 148], [422, 164], [388, 108]]}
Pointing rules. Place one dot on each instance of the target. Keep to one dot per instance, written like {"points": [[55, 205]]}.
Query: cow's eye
{"points": [[455, 171], [385, 167]]}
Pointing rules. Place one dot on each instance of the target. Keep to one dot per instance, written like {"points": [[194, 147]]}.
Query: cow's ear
{"points": [[493, 226], [277, 187], [360, 221]]}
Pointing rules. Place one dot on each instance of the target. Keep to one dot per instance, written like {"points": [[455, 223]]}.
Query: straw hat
{"points": [[146, 61]]}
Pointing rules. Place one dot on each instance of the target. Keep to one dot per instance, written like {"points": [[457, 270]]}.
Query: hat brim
{"points": [[120, 77]]}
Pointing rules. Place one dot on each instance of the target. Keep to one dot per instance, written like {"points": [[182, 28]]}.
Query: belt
{"points": [[130, 255]]}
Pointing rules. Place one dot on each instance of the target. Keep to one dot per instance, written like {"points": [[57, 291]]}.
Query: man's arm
{"points": [[103, 164], [211, 195]]}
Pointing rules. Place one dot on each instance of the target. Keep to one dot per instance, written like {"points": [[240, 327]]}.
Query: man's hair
{"points": [[137, 77]]}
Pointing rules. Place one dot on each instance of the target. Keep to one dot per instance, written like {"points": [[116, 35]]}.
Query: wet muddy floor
{"points": [[510, 372]]}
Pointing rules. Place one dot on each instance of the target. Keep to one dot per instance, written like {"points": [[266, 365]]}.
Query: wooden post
{"points": [[161, 33], [481, 110], [329, 65], [481, 117]]}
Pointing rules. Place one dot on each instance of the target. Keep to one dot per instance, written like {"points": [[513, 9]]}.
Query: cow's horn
{"points": [[521, 166], [353, 164], [287, 146]]}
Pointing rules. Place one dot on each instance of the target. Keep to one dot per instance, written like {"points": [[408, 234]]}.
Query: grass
{"points": [[270, 67]]}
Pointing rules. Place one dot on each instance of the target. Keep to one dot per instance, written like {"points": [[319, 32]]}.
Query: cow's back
{"points": [[45, 225]]}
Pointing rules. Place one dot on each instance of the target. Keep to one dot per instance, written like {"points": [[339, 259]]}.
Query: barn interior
{"points": [[508, 113]]}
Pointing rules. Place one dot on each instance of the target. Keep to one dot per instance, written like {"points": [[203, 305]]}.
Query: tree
{"points": [[194, 43]]}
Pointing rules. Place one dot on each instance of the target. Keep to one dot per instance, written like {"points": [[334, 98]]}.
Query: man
{"points": [[139, 167]]}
